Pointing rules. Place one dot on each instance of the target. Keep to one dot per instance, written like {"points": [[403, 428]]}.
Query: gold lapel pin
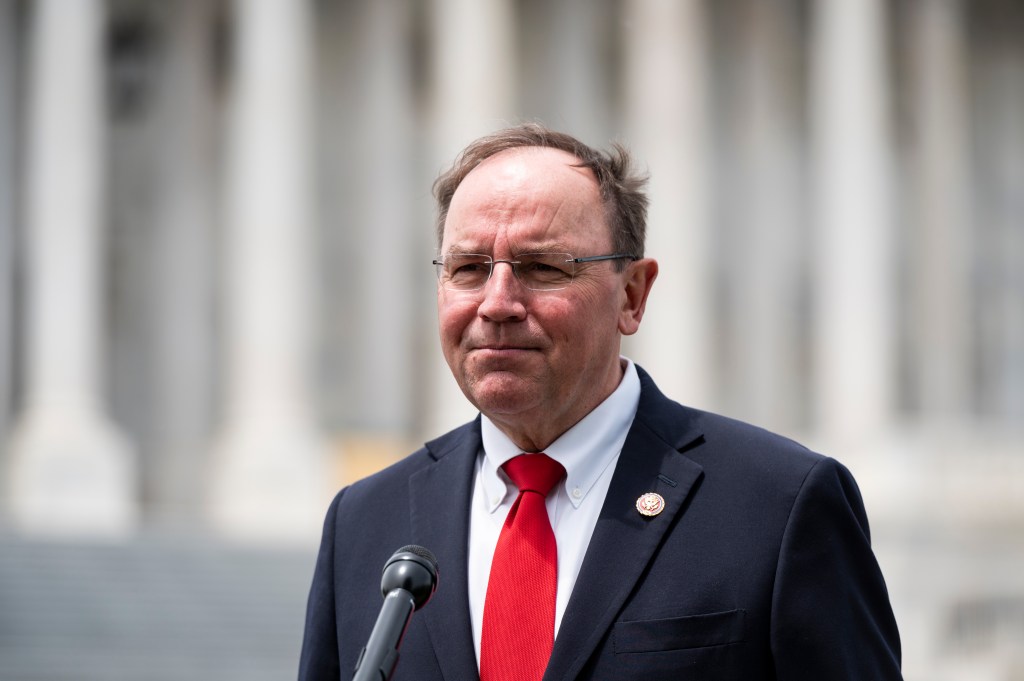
{"points": [[650, 504]]}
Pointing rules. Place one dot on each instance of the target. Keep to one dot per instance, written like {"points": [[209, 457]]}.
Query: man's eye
{"points": [[468, 270], [541, 267], [543, 272]]}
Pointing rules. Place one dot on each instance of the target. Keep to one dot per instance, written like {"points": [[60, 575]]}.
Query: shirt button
{"points": [[577, 493]]}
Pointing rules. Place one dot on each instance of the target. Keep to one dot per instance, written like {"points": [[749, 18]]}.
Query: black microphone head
{"points": [[414, 569]]}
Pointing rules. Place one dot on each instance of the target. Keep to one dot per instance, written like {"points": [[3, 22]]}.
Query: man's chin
{"points": [[503, 393]]}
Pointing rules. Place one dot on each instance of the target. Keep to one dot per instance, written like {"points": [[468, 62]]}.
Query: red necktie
{"points": [[519, 611]]}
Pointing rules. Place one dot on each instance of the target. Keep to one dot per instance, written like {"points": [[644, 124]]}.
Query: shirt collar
{"points": [[585, 450]]}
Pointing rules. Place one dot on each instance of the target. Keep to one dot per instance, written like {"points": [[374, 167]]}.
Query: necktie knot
{"points": [[534, 472]]}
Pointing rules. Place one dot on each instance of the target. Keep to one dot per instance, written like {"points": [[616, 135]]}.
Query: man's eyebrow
{"points": [[460, 250], [547, 247]]}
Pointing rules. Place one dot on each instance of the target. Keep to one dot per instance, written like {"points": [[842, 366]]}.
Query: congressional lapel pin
{"points": [[650, 504]]}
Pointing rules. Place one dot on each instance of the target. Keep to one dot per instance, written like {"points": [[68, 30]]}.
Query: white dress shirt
{"points": [[588, 451]]}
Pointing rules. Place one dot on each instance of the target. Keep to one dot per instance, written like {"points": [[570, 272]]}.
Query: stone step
{"points": [[156, 608]]}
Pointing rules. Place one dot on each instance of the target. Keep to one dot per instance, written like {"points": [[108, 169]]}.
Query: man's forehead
{"points": [[528, 165], [531, 195], [527, 179]]}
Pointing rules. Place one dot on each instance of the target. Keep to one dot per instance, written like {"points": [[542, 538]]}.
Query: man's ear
{"points": [[640, 276]]}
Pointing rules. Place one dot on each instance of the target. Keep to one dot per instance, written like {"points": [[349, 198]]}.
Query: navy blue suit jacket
{"points": [[760, 566]]}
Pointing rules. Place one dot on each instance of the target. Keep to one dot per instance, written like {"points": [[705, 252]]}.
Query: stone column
{"points": [[8, 121], [567, 61], [182, 275], [766, 248], [382, 260], [666, 102], [269, 476], [997, 224], [474, 78], [854, 288], [940, 253], [71, 468]]}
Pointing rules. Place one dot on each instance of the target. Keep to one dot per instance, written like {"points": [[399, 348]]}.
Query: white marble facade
{"points": [[216, 303]]}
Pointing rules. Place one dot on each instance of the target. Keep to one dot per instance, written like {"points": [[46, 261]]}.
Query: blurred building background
{"points": [[217, 304]]}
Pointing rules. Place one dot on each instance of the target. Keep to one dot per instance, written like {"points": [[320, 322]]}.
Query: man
{"points": [[676, 544]]}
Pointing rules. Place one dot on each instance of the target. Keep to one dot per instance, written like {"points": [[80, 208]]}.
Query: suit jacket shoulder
{"points": [[422, 499], [760, 566]]}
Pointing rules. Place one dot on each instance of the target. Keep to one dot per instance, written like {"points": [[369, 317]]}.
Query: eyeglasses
{"points": [[536, 271]]}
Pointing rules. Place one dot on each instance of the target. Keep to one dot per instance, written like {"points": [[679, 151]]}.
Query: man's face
{"points": [[533, 361]]}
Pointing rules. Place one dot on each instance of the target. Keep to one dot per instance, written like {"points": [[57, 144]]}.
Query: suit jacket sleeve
{"points": [[319, 658], [831, 617]]}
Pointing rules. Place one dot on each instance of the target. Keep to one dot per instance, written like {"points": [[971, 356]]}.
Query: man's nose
{"points": [[503, 295]]}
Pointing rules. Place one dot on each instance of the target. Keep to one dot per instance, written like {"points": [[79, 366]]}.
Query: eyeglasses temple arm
{"points": [[595, 258]]}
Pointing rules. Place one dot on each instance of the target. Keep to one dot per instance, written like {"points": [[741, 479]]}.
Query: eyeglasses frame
{"points": [[512, 263]]}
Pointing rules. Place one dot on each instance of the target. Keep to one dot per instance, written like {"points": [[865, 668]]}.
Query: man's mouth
{"points": [[503, 351]]}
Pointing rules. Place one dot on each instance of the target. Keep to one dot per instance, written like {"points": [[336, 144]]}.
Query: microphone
{"points": [[408, 582]]}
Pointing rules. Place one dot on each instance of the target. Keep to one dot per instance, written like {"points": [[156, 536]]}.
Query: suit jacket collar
{"points": [[652, 460], [440, 496]]}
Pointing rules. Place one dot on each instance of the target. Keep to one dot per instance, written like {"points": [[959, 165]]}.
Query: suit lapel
{"points": [[441, 495], [648, 463]]}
